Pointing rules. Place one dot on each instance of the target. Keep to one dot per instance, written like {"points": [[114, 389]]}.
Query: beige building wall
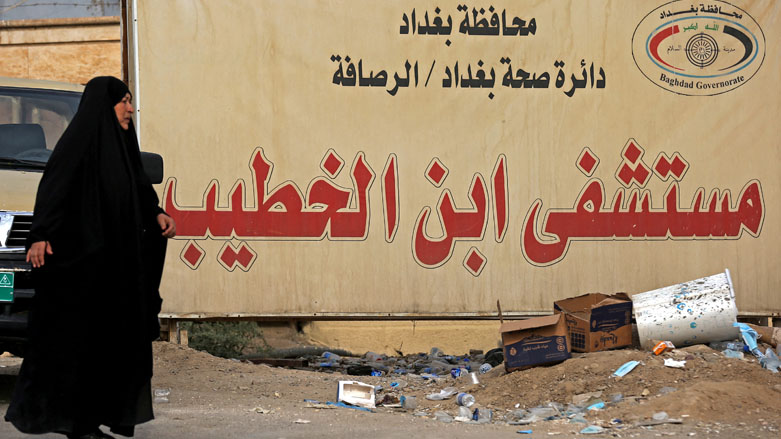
{"points": [[67, 49], [573, 143]]}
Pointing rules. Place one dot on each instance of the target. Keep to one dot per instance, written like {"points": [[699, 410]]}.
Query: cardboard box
{"points": [[534, 342], [597, 322], [662, 347]]}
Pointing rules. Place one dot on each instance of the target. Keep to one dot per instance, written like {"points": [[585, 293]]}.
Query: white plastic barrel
{"points": [[694, 312]]}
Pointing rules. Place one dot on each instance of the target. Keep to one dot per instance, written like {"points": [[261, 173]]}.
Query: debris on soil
{"points": [[581, 392]]}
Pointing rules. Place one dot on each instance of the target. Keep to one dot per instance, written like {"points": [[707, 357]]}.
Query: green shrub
{"points": [[222, 339]]}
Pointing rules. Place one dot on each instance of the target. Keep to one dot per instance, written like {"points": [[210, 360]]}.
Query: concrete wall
{"points": [[66, 49]]}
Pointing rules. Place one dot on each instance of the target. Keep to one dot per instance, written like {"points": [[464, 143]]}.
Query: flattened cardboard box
{"points": [[597, 322], [534, 342]]}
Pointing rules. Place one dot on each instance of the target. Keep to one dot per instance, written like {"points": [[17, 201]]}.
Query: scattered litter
{"points": [[597, 406], [458, 372], [543, 412], [390, 400], [662, 347], [524, 431], [302, 421], [465, 399], [318, 405], [408, 402], [355, 393], [592, 429], [443, 417], [749, 337], [653, 422], [625, 368], [729, 353], [348, 406], [261, 410], [484, 416], [161, 395], [445, 393], [770, 361], [669, 362], [583, 397], [660, 416]]}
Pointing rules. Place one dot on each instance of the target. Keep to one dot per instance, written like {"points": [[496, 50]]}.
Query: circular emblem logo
{"points": [[560, 344], [698, 50], [702, 50], [513, 352]]}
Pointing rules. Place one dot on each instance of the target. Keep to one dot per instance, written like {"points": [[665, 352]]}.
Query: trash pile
{"points": [[699, 312], [432, 365]]}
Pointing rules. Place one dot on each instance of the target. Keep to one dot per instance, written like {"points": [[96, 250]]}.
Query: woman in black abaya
{"points": [[96, 244]]}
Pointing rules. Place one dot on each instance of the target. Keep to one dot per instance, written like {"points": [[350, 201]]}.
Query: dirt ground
{"points": [[210, 397]]}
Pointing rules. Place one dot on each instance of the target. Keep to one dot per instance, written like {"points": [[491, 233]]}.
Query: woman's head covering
{"points": [[102, 92]]}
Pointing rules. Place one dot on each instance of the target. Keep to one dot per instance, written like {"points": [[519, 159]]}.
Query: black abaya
{"points": [[94, 315]]}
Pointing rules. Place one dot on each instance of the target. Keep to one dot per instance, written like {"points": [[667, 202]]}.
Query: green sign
{"points": [[6, 287]]}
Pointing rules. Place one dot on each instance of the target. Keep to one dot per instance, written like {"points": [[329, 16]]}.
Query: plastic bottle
{"points": [[770, 361], [485, 367], [465, 399], [736, 346], [441, 365], [331, 356], [483, 416]]}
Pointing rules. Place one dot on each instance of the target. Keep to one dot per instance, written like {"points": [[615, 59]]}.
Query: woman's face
{"points": [[124, 110]]}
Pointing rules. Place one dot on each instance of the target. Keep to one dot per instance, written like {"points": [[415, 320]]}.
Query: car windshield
{"points": [[31, 123]]}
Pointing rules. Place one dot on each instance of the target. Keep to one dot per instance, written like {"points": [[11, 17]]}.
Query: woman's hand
{"points": [[37, 252], [167, 225]]}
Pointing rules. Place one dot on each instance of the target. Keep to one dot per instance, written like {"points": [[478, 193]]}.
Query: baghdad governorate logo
{"points": [[698, 50]]}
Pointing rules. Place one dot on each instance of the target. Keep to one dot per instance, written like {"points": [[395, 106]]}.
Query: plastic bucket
{"points": [[694, 312]]}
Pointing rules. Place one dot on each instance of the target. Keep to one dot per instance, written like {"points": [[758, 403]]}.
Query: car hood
{"points": [[18, 189]]}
